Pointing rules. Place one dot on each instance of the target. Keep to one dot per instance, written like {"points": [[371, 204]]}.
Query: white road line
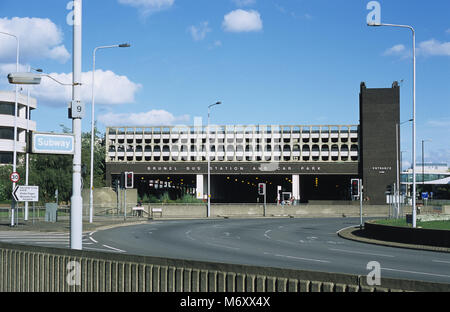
{"points": [[414, 272], [116, 249], [266, 234], [188, 234], [304, 259], [361, 252], [441, 261], [222, 246], [351, 226], [93, 240]]}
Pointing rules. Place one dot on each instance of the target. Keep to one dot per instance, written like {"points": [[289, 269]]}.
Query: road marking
{"points": [[116, 249], [362, 253], [188, 234], [304, 259], [351, 226], [266, 234], [93, 240], [414, 272], [222, 246], [441, 261]]}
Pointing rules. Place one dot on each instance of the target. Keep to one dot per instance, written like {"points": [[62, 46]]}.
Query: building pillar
{"points": [[296, 187], [201, 186]]}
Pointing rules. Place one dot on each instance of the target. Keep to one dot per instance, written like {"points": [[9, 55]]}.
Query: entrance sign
{"points": [[52, 143], [26, 193]]}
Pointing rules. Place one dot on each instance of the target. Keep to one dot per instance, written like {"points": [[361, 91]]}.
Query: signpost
{"points": [[262, 191], [52, 143], [26, 193]]}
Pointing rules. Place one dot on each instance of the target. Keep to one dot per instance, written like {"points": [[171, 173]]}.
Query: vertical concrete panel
{"points": [[231, 282], [171, 279], [179, 279], [101, 276], [304, 286], [195, 277], [203, 281], [221, 281], [340, 288], [212, 281], [187, 280], [270, 284], [281, 284], [352, 288], [120, 277], [327, 287], [240, 282], [140, 277], [108, 276], [155, 278], [114, 276], [292, 285], [260, 283], [250, 283], [163, 278], [148, 278], [316, 286], [2, 270]]}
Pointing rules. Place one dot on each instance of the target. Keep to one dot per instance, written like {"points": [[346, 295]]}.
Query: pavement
{"points": [[64, 224]]}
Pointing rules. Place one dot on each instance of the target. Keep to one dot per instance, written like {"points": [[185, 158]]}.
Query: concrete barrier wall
{"points": [[257, 210], [408, 235], [42, 269]]}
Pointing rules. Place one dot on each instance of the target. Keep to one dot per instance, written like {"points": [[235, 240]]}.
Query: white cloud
{"points": [[39, 39], [148, 6], [242, 21], [110, 88], [434, 47], [150, 118], [395, 50], [448, 31], [199, 32]]}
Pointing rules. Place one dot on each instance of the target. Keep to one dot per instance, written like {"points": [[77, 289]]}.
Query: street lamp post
{"points": [[13, 202], [397, 137], [423, 165], [91, 192], [208, 214], [413, 115]]}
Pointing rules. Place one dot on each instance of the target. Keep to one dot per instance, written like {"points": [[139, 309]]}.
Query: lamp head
{"points": [[24, 78], [124, 45]]}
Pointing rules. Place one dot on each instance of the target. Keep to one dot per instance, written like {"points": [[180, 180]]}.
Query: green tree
{"points": [[99, 159]]}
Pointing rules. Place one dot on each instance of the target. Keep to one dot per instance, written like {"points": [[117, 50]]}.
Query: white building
{"points": [[7, 112]]}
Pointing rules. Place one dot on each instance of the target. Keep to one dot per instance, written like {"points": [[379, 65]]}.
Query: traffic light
{"points": [[114, 185], [129, 176], [388, 190], [355, 187], [261, 188]]}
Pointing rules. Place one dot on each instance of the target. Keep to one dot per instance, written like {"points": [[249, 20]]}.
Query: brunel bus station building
{"points": [[302, 162]]}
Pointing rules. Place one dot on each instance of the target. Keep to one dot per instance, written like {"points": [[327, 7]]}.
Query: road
{"points": [[297, 243]]}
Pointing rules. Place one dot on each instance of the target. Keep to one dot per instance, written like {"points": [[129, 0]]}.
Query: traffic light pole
{"points": [[360, 204], [264, 202]]}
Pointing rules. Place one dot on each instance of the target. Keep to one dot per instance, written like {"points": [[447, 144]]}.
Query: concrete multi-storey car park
{"points": [[309, 162]]}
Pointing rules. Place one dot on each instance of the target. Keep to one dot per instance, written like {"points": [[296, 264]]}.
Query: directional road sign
{"points": [[26, 193], [52, 143]]}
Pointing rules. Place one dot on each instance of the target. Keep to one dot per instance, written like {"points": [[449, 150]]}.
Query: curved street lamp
{"points": [[91, 189], [208, 214]]}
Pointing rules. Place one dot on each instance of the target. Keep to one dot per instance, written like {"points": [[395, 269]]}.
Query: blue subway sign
{"points": [[52, 143]]}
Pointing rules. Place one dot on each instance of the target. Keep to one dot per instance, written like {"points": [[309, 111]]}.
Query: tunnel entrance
{"points": [[241, 188]]}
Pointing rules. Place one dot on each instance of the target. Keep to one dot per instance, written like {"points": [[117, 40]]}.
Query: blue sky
{"points": [[268, 61]]}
